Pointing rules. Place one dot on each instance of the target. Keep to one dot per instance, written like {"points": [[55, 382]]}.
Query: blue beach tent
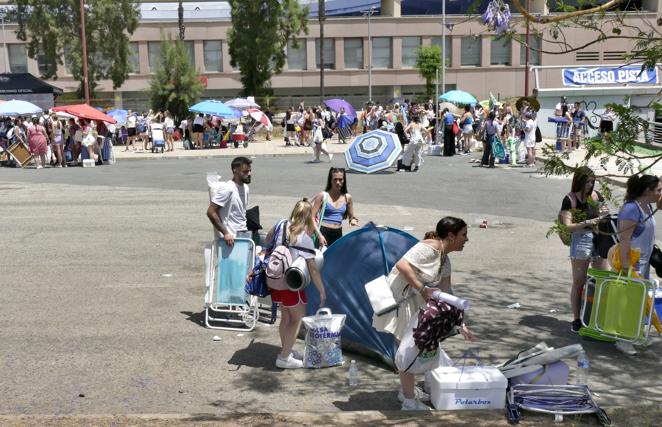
{"points": [[350, 263]]}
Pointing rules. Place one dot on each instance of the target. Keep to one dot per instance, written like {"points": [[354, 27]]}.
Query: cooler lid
{"points": [[469, 377]]}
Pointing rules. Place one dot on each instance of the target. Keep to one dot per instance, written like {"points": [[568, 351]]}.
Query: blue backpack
{"points": [[257, 283]]}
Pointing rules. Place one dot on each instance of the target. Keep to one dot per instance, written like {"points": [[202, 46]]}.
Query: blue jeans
{"points": [[582, 246]]}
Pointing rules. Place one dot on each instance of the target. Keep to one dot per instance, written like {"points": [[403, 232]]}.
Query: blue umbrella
{"points": [[213, 108], [459, 97], [19, 108], [119, 115], [373, 151]]}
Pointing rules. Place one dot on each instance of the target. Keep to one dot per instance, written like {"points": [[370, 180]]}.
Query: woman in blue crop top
{"points": [[331, 207]]}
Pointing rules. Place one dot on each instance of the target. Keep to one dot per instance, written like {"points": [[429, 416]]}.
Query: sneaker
{"points": [[297, 354], [289, 363], [40, 167], [626, 348], [575, 326], [414, 405], [418, 392]]}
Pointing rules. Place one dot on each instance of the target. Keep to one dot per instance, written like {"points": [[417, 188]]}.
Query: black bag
{"points": [[326, 133], [606, 235], [538, 135], [656, 260]]}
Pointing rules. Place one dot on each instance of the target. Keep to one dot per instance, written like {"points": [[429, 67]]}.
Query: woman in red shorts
{"points": [[293, 303], [38, 141]]}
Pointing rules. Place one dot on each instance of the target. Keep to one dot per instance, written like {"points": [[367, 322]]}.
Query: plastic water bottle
{"points": [[353, 374], [582, 368]]}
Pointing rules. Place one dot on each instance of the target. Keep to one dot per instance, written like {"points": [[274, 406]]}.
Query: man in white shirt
{"points": [[227, 209]]}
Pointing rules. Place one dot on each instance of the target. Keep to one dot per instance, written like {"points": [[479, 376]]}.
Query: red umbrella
{"points": [[84, 111], [259, 116]]}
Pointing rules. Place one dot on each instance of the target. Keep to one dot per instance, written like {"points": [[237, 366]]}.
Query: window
{"points": [[381, 52], [534, 52], [18, 58], [410, 47], [297, 57], [42, 63], [470, 47], [354, 53], [500, 52], [213, 53], [329, 53], [153, 55], [449, 47], [188, 44], [134, 58]]}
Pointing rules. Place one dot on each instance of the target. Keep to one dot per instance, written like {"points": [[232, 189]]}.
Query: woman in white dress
{"points": [[425, 268], [417, 133]]}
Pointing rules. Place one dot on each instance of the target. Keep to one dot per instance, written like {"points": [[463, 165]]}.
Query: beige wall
{"points": [[506, 81]]}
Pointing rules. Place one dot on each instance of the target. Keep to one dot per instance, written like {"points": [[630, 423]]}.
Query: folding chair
{"points": [[614, 307], [227, 306]]}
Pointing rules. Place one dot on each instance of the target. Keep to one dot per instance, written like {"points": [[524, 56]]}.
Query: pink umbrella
{"points": [[260, 117]]}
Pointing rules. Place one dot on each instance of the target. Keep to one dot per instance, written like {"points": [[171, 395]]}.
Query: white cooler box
{"points": [[468, 387]]}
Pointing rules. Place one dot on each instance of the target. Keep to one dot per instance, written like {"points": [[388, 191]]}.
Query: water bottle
{"points": [[353, 374], [582, 368]]}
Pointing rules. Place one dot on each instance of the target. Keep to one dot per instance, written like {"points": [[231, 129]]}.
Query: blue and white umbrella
{"points": [[373, 151], [16, 107], [213, 108], [459, 97]]}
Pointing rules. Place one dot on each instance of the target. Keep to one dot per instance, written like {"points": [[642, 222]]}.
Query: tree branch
{"points": [[565, 16]]}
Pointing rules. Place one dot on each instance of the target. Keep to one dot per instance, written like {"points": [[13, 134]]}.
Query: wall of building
{"points": [[481, 79]]}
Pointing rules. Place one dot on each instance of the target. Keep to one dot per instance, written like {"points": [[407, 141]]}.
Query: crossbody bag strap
{"points": [[301, 249]]}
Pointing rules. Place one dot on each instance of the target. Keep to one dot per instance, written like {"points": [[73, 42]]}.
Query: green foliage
{"points": [[176, 85], [428, 62], [258, 39], [52, 28]]}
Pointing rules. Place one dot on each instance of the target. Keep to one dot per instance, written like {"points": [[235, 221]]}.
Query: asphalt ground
{"points": [[102, 288]]}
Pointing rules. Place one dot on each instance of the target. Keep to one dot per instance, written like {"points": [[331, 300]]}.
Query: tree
{"points": [[176, 84], [608, 21], [428, 62], [52, 29], [258, 39]]}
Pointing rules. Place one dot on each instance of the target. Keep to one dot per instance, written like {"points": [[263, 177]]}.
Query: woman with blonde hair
{"points": [[296, 235]]}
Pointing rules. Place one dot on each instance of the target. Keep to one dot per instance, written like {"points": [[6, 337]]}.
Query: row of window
{"points": [[382, 54]]}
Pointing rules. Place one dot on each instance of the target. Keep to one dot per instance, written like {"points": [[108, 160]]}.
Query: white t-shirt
{"points": [[169, 123], [233, 200], [131, 121], [198, 121]]}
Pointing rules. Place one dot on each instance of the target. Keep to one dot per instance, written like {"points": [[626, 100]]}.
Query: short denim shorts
{"points": [[582, 246]]}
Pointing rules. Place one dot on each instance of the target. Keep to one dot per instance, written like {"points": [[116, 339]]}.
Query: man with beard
{"points": [[227, 209]]}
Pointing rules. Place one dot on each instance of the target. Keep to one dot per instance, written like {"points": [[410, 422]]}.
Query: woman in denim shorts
{"points": [[581, 210]]}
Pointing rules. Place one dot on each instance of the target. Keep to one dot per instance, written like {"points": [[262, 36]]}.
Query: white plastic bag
{"points": [[323, 348], [410, 359]]}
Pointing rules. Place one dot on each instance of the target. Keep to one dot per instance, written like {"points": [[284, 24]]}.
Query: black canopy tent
{"points": [[26, 87]]}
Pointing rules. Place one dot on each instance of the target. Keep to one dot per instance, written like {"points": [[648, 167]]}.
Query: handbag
{"points": [[456, 128], [380, 294], [656, 260]]}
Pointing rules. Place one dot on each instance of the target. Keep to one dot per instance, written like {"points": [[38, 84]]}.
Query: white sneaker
{"points": [[414, 405], [289, 363], [626, 348], [418, 393], [40, 167]]}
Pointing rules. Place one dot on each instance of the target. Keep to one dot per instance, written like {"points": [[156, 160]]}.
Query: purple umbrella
{"points": [[337, 104]]}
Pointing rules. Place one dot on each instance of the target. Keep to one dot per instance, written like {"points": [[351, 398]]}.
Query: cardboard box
{"points": [[468, 387]]}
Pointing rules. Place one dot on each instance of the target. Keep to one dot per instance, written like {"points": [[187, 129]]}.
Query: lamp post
{"points": [[86, 87], [5, 55], [321, 13], [443, 47], [526, 60], [369, 13]]}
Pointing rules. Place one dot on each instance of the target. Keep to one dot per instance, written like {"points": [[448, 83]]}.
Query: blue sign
{"points": [[609, 76]]}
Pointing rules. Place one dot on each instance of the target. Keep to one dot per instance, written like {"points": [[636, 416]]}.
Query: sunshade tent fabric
{"points": [[26, 87], [352, 261]]}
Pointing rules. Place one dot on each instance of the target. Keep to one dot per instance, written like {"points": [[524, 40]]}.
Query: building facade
{"points": [[476, 62]]}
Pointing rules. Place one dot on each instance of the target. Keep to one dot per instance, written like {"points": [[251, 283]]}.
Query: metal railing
{"points": [[652, 135]]}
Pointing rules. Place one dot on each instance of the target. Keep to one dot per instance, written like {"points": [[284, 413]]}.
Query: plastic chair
{"points": [[227, 306]]}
